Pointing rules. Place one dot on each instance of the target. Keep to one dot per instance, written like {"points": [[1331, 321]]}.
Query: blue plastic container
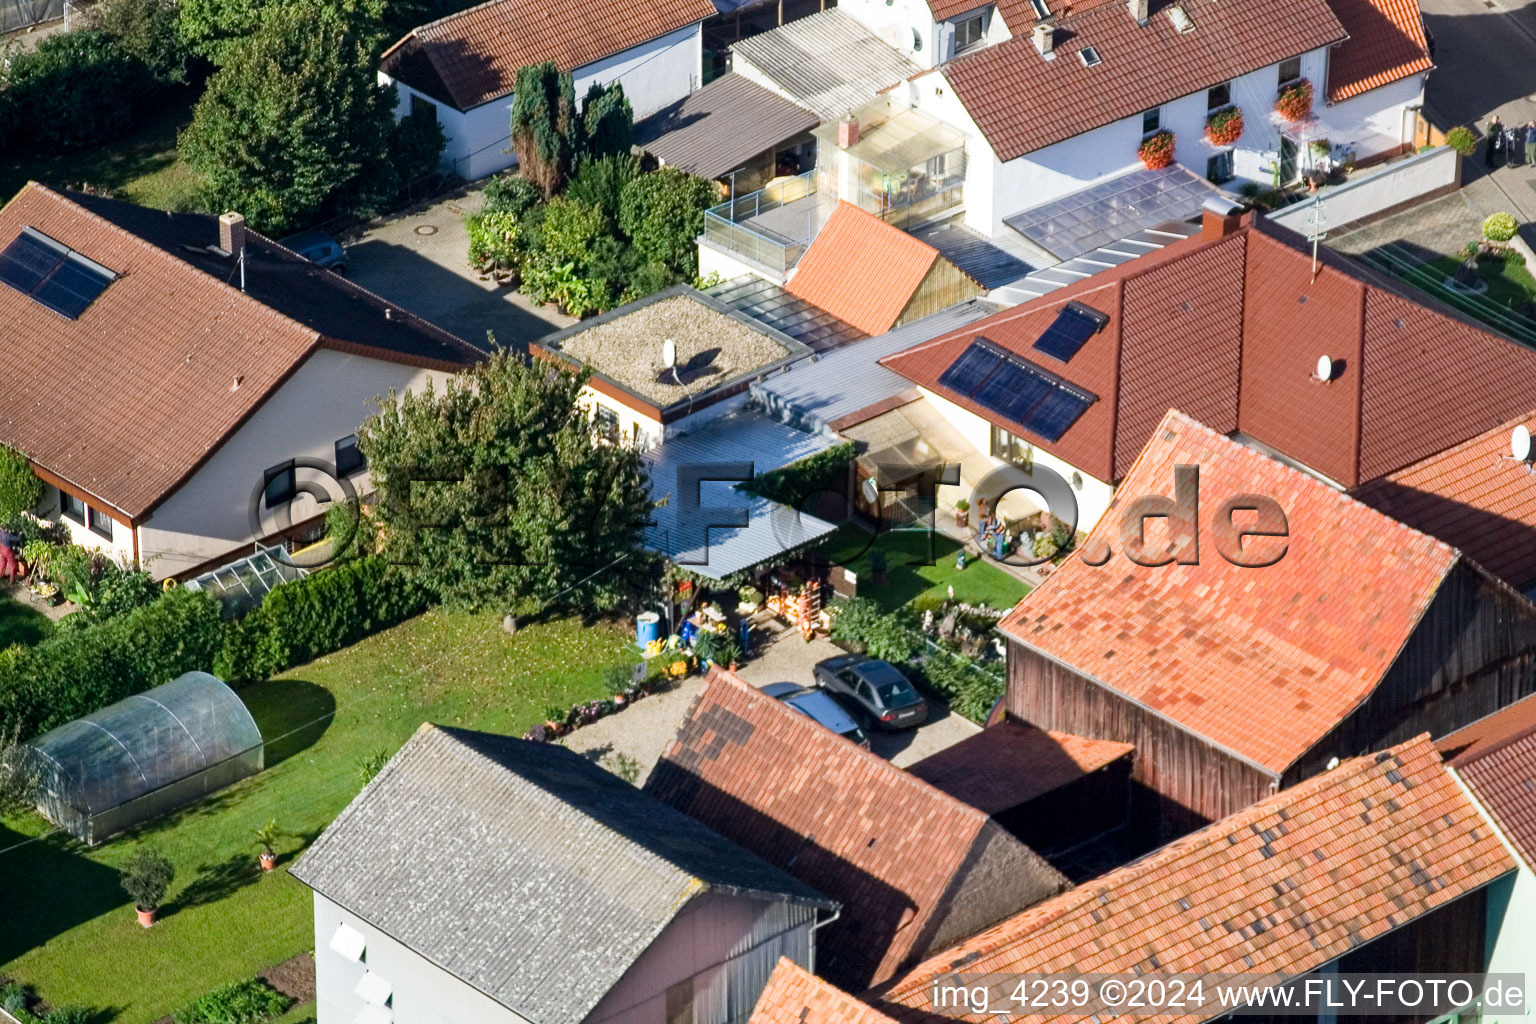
{"points": [[647, 628]]}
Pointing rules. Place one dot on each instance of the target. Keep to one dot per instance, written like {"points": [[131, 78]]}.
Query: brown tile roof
{"points": [[1386, 42], [1230, 330], [886, 845], [862, 270], [1012, 763], [1471, 496], [795, 996], [1496, 757], [1022, 102], [1262, 662], [472, 57], [126, 401], [1278, 889]]}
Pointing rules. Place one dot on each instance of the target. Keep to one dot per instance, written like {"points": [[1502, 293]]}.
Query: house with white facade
{"points": [[460, 70], [481, 879], [186, 387]]}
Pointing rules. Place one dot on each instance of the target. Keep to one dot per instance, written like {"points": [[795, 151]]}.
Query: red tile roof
{"points": [[795, 996], [126, 401], [1496, 757], [886, 845], [1262, 662], [1230, 330], [1022, 102], [1386, 42], [472, 57], [1012, 763], [1471, 496], [862, 270], [1280, 888]]}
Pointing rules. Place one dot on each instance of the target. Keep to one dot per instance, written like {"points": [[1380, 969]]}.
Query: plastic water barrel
{"points": [[647, 628]]}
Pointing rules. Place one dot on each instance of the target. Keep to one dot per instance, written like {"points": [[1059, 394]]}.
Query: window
{"points": [[425, 109], [349, 458], [1089, 56], [52, 274], [1218, 96], [100, 523], [1218, 168], [680, 1002], [282, 484], [865, 693], [1041, 10], [1151, 121], [1290, 70], [968, 33], [1012, 448], [607, 423], [72, 507]]}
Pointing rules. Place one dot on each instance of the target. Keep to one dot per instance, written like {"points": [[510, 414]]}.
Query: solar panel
{"points": [[966, 374], [52, 274], [1017, 390], [1072, 328], [1055, 415]]}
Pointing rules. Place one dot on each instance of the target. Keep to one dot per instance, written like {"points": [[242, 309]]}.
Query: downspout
{"points": [[811, 968]]}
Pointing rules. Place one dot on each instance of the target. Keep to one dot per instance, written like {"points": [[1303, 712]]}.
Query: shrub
{"points": [[852, 621], [496, 239], [146, 31], [608, 121], [968, 690], [370, 765], [1500, 227], [792, 484], [75, 90], [663, 214], [145, 876], [20, 489], [1461, 140], [1156, 152], [415, 145], [79, 671], [320, 613], [514, 195], [239, 1002], [624, 766], [600, 182]]}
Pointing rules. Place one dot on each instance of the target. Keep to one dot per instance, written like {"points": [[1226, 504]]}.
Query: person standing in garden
{"points": [[9, 562]]}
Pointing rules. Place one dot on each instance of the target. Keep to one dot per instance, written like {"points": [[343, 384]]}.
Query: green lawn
{"points": [[69, 929], [142, 167], [21, 623], [1510, 287], [916, 572]]}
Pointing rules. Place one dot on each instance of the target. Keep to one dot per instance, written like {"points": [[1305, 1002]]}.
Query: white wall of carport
{"points": [[655, 73]]}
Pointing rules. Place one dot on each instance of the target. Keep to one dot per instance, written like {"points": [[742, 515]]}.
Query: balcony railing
{"points": [[772, 226]]}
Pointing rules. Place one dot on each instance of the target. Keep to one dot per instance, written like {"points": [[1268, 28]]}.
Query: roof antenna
{"points": [[1520, 447], [1317, 222]]}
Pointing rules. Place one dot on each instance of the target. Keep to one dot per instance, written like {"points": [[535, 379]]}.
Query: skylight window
{"points": [[1041, 10], [1181, 19], [52, 274], [1089, 56], [1017, 390], [1072, 328]]}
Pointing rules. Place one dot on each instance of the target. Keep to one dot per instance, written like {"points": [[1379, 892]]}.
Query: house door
{"points": [[1288, 167]]}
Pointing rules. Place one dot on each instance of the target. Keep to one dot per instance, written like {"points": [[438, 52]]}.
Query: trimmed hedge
{"points": [[320, 613], [74, 673]]}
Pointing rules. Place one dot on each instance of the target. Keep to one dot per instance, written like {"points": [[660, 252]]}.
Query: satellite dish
{"points": [[1324, 368], [669, 353], [870, 490], [1520, 443]]}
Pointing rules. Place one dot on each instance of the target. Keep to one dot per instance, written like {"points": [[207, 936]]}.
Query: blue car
{"points": [[819, 707]]}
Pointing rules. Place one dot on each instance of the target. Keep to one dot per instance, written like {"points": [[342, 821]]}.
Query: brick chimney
{"points": [[1139, 10], [231, 233], [1045, 37], [848, 132], [1219, 217]]}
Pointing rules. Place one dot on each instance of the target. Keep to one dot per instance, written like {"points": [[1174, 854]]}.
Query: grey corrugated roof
{"points": [[810, 395], [522, 868], [771, 528], [828, 62], [714, 130]]}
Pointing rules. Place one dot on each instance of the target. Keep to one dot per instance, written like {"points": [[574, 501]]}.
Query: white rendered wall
{"points": [[1374, 122]]}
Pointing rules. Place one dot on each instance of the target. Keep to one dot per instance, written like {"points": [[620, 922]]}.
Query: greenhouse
{"points": [[143, 756]]}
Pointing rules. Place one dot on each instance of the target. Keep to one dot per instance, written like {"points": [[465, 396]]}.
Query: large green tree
{"points": [[294, 124], [496, 491], [663, 214], [547, 131]]}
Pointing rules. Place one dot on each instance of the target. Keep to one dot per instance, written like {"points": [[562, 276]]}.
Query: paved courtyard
{"points": [[419, 260]]}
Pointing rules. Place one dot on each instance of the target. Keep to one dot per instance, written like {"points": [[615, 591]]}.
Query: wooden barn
{"points": [[1236, 681]]}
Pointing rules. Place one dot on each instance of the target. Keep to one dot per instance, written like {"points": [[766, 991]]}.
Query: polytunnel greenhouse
{"points": [[141, 757]]}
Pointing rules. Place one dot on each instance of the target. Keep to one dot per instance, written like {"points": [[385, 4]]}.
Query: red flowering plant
{"points": [[1156, 151], [1295, 102], [1225, 126]]}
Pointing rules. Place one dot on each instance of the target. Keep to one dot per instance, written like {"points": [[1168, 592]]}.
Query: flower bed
{"points": [[1156, 152], [1295, 101], [1224, 127]]}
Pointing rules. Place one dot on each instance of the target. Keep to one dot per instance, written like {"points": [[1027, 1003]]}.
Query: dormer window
{"points": [[970, 32]]}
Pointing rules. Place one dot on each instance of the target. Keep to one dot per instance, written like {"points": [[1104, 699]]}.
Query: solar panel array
{"points": [[1016, 389], [52, 274], [1071, 329]]}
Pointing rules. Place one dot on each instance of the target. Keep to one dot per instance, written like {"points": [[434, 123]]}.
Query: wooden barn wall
{"points": [[942, 287], [1195, 783], [1470, 656]]}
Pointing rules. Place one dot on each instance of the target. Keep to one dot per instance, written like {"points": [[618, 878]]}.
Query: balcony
{"points": [[773, 226], [906, 168]]}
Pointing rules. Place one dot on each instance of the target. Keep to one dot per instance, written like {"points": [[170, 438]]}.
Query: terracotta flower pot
{"points": [[268, 861], [146, 917]]}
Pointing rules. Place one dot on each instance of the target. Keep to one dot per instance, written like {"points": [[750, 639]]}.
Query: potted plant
{"points": [[554, 719], [1321, 148], [1295, 101], [707, 646], [1225, 126], [1156, 150], [750, 600], [267, 835], [729, 654], [962, 513], [145, 876]]}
